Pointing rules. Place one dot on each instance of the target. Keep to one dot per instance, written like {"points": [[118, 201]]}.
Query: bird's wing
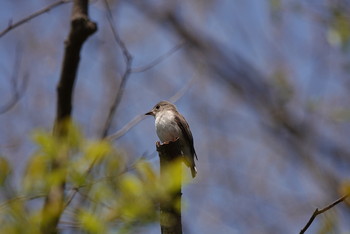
{"points": [[185, 128]]}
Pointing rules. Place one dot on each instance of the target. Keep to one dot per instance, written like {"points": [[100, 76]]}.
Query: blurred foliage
{"points": [[345, 190], [275, 8], [102, 194], [341, 115], [329, 223], [281, 85], [339, 31], [5, 170]]}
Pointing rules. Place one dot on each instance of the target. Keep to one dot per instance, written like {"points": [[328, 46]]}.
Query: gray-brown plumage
{"points": [[170, 124]]}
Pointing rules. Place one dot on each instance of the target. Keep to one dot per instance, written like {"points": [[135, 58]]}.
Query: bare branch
{"points": [[158, 60], [32, 16], [128, 70], [128, 61], [170, 217], [317, 212], [71, 197], [20, 198], [17, 88], [94, 201], [182, 91], [126, 127], [75, 190], [70, 225], [81, 28]]}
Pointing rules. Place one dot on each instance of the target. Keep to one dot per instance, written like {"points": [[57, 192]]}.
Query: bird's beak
{"points": [[150, 113]]}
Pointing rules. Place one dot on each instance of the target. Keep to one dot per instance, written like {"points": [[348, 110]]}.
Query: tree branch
{"points": [[170, 217], [32, 16], [317, 212], [159, 59], [128, 61], [20, 198], [17, 88], [170, 213], [81, 29]]}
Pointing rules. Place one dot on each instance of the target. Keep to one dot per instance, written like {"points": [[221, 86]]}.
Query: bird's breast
{"points": [[166, 127]]}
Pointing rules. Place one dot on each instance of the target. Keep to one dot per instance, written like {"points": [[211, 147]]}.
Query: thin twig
{"points": [[21, 198], [32, 16], [158, 60], [126, 127], [317, 212], [68, 224], [128, 70], [182, 91], [128, 61], [92, 200], [71, 197], [75, 190], [17, 88]]}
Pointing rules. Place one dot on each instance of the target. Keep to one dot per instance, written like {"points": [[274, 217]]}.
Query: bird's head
{"points": [[161, 106]]}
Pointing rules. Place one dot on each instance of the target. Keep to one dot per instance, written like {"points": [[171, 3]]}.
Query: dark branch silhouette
{"points": [[81, 29], [32, 16], [317, 212], [128, 60]]}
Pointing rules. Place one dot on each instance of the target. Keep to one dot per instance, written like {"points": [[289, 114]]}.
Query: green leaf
{"points": [[35, 177], [47, 143], [96, 151], [91, 222]]}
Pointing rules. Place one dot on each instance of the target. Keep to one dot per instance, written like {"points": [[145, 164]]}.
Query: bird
{"points": [[170, 125]]}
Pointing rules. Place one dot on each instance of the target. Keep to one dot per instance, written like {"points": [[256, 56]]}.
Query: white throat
{"points": [[166, 126]]}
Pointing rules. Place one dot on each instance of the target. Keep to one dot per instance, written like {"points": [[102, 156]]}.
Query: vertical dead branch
{"points": [[170, 214], [81, 29]]}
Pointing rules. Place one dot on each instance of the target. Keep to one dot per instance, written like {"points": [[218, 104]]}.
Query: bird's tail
{"points": [[193, 171], [189, 161]]}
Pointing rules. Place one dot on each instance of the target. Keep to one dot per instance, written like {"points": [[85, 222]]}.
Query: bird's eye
{"points": [[157, 107]]}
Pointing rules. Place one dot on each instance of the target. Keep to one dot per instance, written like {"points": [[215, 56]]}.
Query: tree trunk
{"points": [[170, 209]]}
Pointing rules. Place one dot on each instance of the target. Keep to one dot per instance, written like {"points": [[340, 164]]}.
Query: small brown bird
{"points": [[170, 124]]}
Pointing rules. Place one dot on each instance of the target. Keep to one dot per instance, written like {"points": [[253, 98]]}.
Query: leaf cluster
{"points": [[102, 193]]}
